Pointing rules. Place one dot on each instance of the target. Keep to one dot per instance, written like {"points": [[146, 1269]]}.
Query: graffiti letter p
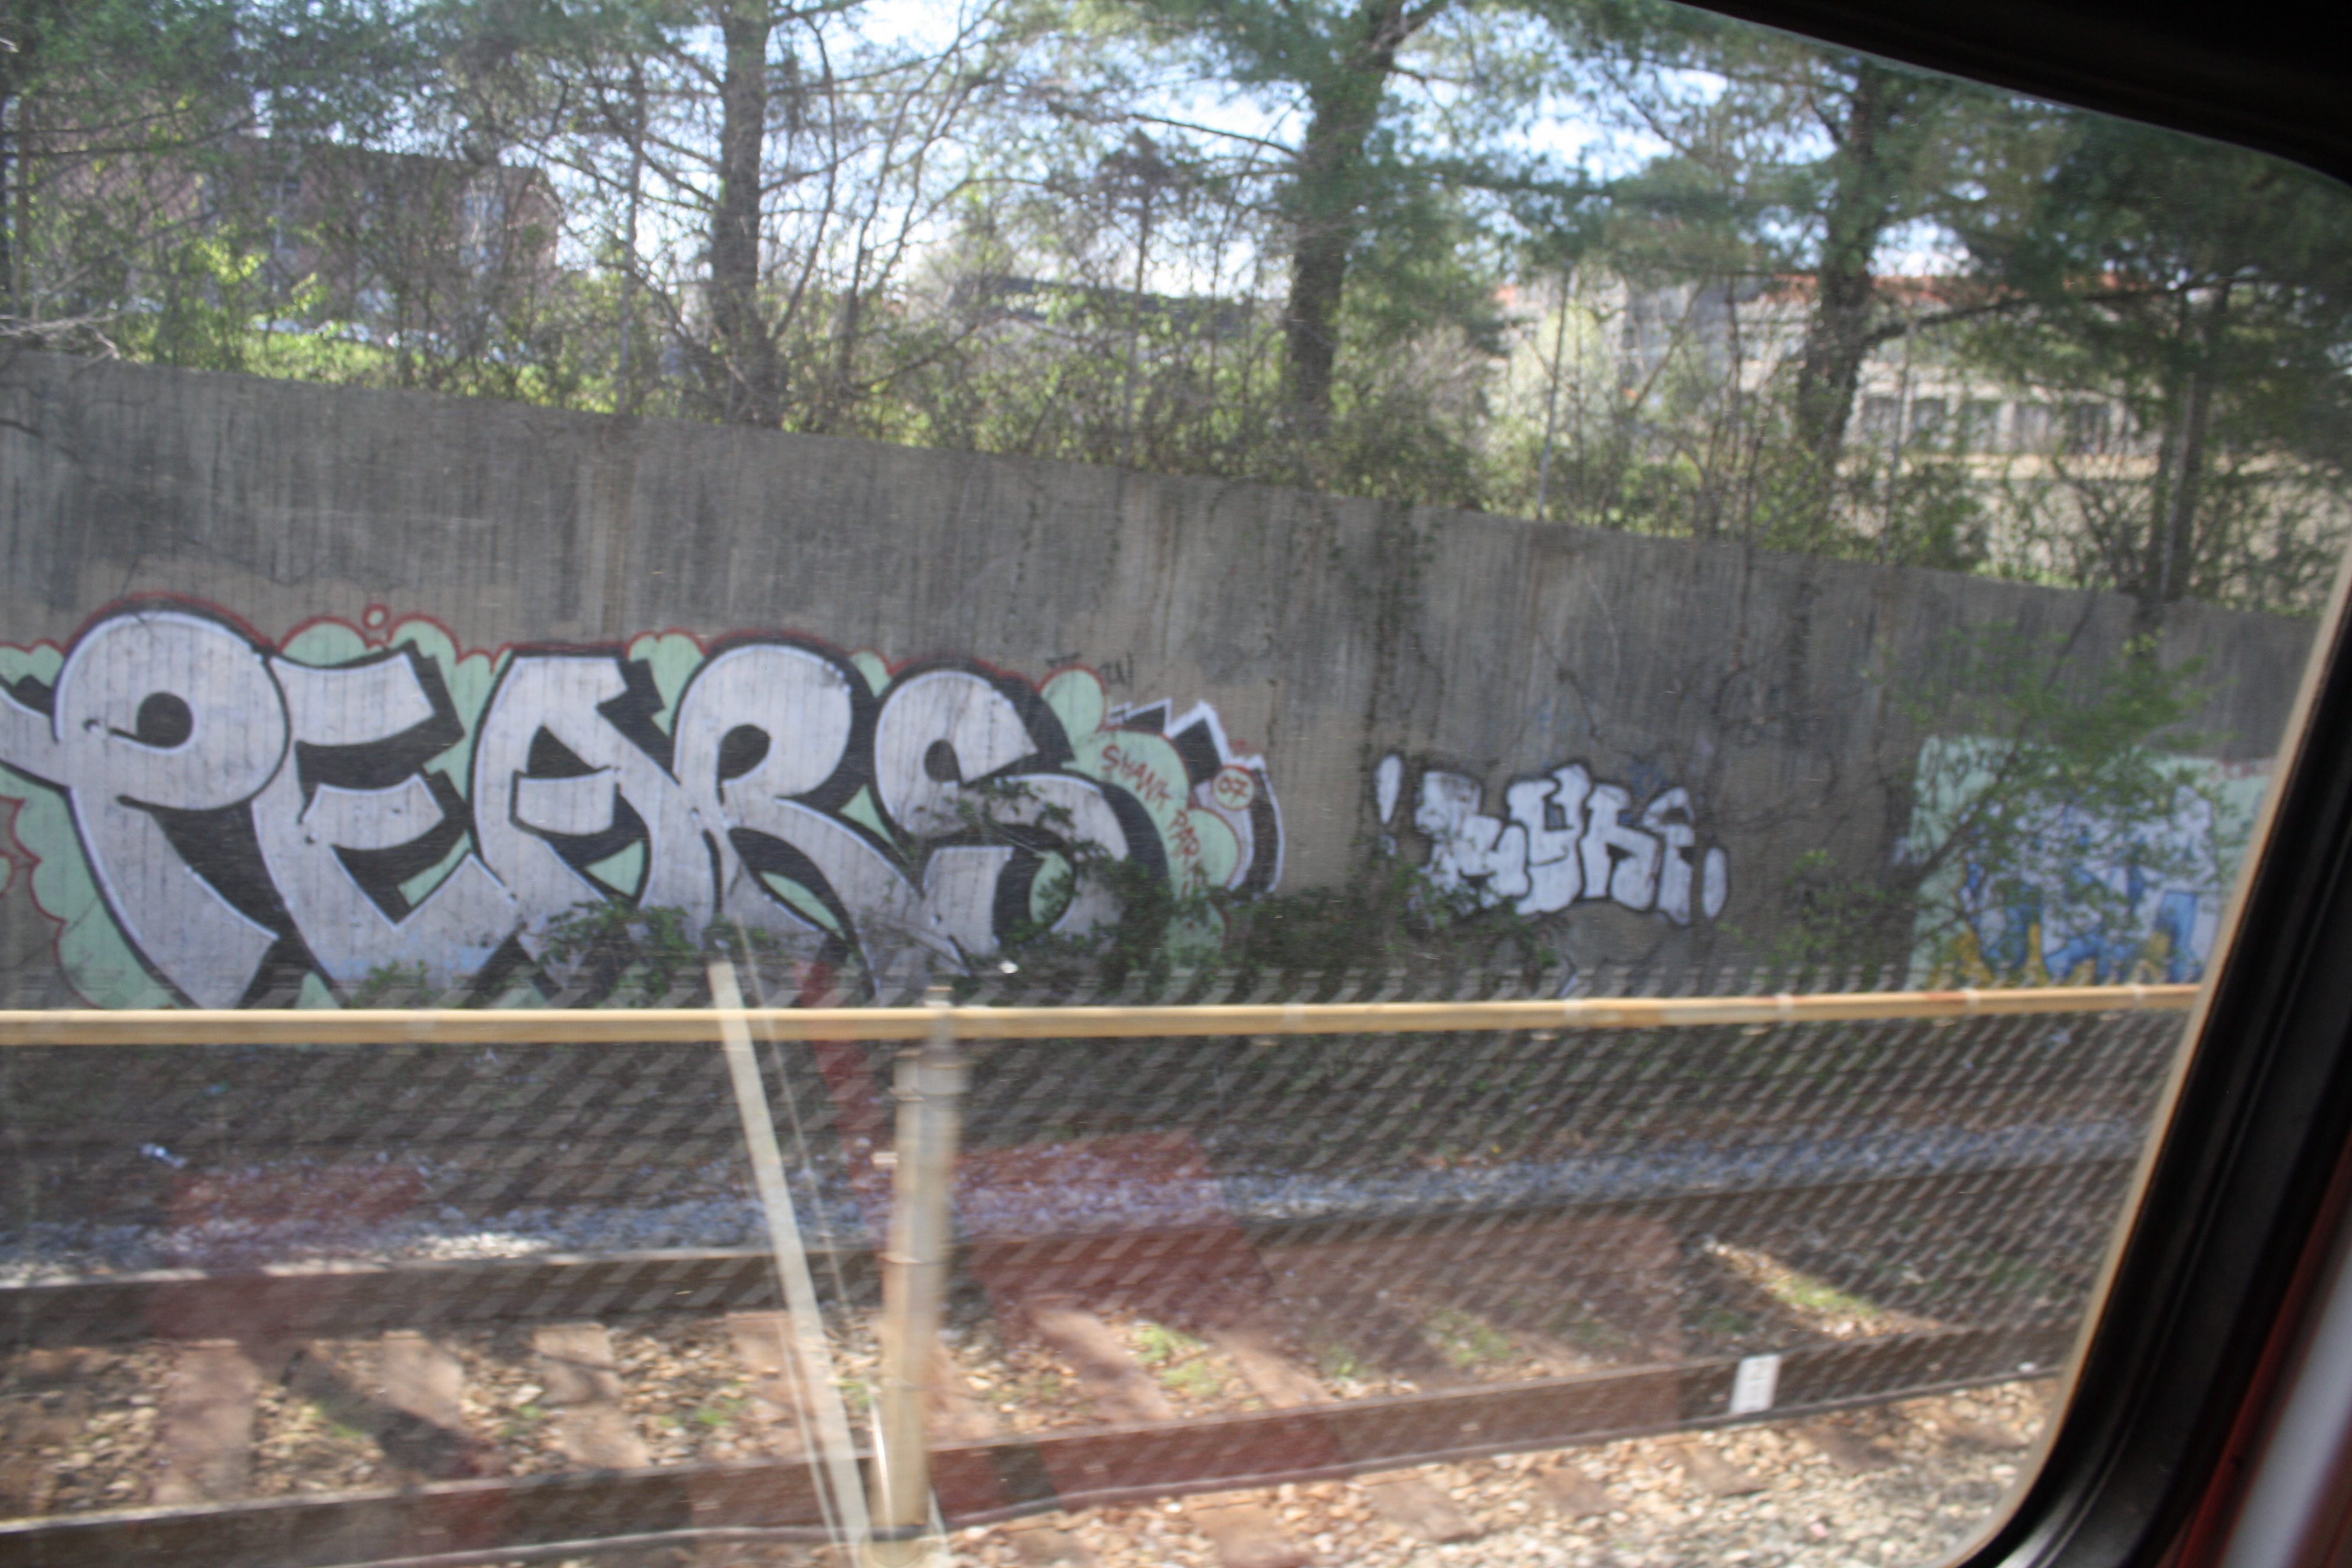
{"points": [[162, 726]]}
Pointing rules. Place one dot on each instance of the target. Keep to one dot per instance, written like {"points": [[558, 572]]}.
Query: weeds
{"points": [[1468, 1343], [1181, 1362], [631, 956]]}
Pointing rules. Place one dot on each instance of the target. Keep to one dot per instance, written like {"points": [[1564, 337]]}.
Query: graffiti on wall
{"points": [[2084, 895], [1561, 839], [209, 811]]}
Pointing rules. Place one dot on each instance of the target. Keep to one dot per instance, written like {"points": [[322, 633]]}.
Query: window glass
{"points": [[2035, 423], [1980, 425], [2087, 428], [530, 532]]}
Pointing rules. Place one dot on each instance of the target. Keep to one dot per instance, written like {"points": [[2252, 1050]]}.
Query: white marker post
{"points": [[1755, 1384]]}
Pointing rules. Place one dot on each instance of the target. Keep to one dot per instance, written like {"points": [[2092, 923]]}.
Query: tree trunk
{"points": [[16, 203], [745, 375], [1838, 338], [1327, 206], [626, 402], [8, 173], [19, 47], [2172, 532], [834, 401]]}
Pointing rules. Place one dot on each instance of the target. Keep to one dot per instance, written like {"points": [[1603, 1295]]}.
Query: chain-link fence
{"points": [[1950, 1172], [1255, 1243]]}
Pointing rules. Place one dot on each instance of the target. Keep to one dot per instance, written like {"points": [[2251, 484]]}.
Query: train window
{"points": [[1141, 783]]}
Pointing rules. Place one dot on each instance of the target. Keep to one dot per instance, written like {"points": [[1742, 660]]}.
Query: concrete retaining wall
{"points": [[1323, 634]]}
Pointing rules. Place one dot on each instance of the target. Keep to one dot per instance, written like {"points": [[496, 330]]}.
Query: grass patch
{"points": [[1336, 1360], [1808, 1294], [1724, 1323], [526, 1416], [1179, 1361], [1468, 1343], [720, 1411], [1156, 1345], [1575, 1322]]}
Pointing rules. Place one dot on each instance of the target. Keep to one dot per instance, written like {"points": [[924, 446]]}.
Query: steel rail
{"points": [[340, 1298], [484, 1027], [466, 1521]]}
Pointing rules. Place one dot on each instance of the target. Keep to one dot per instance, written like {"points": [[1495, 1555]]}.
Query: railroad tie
{"points": [[1405, 1500], [763, 1344], [1245, 1533], [578, 1369], [424, 1378], [207, 1416], [1256, 1353], [1708, 1470], [1844, 1447], [1984, 1437], [1045, 1544], [957, 1415], [1121, 1391], [422, 1385], [1569, 1492], [49, 1413]]}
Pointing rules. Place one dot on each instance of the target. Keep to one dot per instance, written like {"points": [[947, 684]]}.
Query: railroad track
{"points": [[388, 1351], [501, 1408]]}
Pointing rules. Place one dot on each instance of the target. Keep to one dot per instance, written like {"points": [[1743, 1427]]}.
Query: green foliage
{"points": [[1830, 914], [1390, 913], [1936, 516], [1577, 1323], [720, 1411], [1179, 1360], [133, 122], [2211, 288], [1019, 241], [1467, 1341], [1808, 1294], [386, 980], [1336, 1361], [2040, 759], [627, 956]]}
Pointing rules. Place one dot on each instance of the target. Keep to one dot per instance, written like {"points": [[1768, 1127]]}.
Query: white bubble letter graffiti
{"points": [[1621, 862], [457, 926], [758, 726], [517, 810], [945, 730], [158, 710], [1668, 816], [1550, 812]]}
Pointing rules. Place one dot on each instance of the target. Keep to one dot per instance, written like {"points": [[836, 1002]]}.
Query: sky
{"points": [[1565, 129]]}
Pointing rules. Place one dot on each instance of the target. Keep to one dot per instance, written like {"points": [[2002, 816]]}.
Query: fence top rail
{"points": [[621, 1026]]}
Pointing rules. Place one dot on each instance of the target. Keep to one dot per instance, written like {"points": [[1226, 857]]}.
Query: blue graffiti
{"points": [[2109, 917]]}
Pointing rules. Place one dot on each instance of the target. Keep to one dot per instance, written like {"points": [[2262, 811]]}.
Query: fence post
{"points": [[929, 1086]]}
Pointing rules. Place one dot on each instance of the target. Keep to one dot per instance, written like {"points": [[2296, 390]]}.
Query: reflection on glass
{"points": [[1349, 506]]}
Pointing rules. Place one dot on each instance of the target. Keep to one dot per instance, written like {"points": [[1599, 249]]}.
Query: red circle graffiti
{"points": [[1234, 788]]}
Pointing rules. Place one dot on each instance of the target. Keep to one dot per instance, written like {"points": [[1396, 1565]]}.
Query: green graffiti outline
{"points": [[97, 959], [102, 966]]}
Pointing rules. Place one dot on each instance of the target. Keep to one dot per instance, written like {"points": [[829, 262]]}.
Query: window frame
{"points": [[2244, 1195]]}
